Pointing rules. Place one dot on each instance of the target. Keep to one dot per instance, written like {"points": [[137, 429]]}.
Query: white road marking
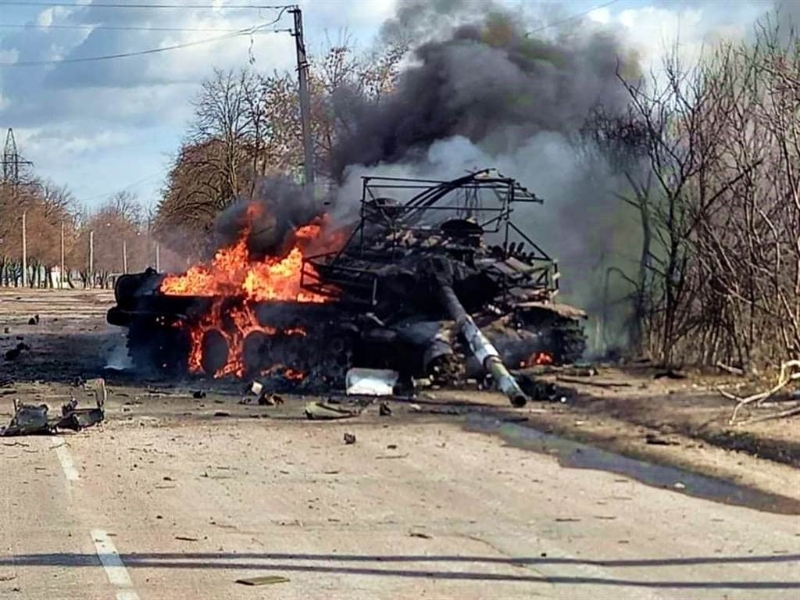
{"points": [[65, 458], [112, 563]]}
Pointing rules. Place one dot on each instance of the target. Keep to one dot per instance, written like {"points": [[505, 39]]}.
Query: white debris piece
{"points": [[371, 382]]}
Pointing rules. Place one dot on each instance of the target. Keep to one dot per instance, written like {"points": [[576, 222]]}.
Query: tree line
{"points": [[710, 154], [94, 245]]}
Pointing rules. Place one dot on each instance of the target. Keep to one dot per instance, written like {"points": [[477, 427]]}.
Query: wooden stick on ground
{"points": [[789, 412], [785, 378]]}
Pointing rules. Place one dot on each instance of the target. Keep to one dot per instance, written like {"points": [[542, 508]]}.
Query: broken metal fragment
{"points": [[31, 419], [371, 382], [266, 580], [28, 419], [349, 438], [322, 411]]}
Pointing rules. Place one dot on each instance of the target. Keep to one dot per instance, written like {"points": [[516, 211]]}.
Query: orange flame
{"points": [[537, 358], [232, 273]]}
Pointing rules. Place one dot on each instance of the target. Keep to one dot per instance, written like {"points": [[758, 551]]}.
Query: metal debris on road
{"points": [[385, 410], [270, 400], [266, 580], [349, 438], [30, 419], [262, 395], [371, 382], [324, 412]]}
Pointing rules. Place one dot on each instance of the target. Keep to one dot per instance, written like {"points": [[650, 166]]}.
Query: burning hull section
{"points": [[310, 346], [299, 341]]}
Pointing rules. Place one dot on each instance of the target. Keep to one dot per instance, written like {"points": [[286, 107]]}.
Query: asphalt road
{"points": [[154, 508]]}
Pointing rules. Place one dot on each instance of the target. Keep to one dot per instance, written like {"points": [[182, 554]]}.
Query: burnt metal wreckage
{"points": [[36, 419], [436, 280]]}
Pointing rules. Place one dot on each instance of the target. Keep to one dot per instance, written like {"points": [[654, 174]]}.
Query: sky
{"points": [[100, 127]]}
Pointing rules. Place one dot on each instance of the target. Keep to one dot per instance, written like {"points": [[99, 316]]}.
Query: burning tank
{"points": [[436, 280]]}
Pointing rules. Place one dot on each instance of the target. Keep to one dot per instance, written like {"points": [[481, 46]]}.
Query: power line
{"points": [[116, 28], [149, 178], [570, 18], [242, 32], [142, 6]]}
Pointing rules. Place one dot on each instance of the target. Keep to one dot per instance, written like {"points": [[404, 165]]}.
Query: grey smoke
{"points": [[487, 82]]}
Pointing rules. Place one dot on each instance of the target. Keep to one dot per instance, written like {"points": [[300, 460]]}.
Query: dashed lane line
{"points": [[65, 458], [112, 563]]}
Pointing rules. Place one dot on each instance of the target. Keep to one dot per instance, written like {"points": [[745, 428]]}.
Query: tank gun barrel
{"points": [[481, 347]]}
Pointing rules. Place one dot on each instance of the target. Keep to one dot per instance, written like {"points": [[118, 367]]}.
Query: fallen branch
{"points": [[785, 377], [730, 369], [789, 412], [600, 384]]}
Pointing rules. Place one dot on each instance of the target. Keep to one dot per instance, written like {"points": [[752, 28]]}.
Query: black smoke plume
{"points": [[486, 80]]}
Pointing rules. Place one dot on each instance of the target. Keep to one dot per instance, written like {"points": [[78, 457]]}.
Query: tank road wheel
{"points": [[569, 341], [561, 337], [156, 348], [215, 351], [255, 352], [336, 360]]}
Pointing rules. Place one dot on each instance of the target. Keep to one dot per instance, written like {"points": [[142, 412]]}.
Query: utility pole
{"points": [[158, 258], [125, 256], [305, 99], [24, 249], [11, 176], [91, 259], [61, 272]]}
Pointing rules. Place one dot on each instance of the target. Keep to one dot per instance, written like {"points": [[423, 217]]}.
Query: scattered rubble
{"points": [[349, 438]]}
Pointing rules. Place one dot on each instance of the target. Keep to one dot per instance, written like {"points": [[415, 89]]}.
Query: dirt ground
{"points": [[627, 410], [455, 494]]}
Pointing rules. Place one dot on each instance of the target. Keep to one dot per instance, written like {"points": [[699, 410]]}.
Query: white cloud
{"points": [[600, 15], [45, 18], [654, 31], [65, 144]]}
